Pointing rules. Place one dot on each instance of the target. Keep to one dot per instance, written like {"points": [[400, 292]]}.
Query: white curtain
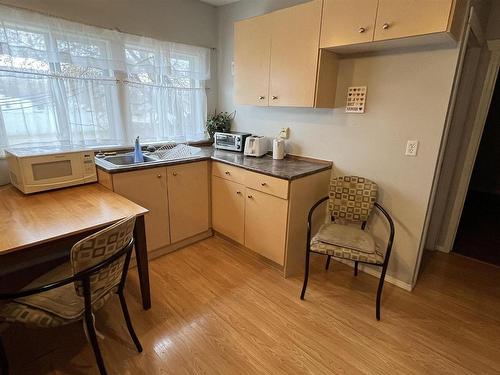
{"points": [[71, 84]]}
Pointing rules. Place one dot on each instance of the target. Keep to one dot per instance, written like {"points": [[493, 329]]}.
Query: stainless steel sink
{"points": [[126, 159]]}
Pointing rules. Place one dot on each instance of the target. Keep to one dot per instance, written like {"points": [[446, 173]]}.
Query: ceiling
{"points": [[219, 3]]}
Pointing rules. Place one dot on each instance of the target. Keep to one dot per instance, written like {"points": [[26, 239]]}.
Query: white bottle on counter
{"points": [[278, 148]]}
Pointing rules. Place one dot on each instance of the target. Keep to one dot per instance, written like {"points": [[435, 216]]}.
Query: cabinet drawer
{"points": [[229, 172], [267, 184]]}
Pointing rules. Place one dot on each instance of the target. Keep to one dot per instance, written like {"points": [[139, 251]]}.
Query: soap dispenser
{"points": [[138, 156]]}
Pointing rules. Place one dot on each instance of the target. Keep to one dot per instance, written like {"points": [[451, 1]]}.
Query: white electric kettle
{"points": [[278, 148]]}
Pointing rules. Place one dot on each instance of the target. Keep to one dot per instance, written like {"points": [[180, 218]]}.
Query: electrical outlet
{"points": [[284, 133], [411, 148]]}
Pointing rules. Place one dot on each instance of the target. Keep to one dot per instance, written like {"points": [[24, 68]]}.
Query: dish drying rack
{"points": [[171, 151]]}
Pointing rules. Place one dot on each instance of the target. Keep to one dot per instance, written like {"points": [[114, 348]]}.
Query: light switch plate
{"points": [[411, 148], [356, 99]]}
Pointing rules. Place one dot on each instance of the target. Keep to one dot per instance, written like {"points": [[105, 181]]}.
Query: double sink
{"points": [[126, 160]]}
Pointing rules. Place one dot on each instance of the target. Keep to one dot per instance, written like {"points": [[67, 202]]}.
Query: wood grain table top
{"points": [[27, 220]]}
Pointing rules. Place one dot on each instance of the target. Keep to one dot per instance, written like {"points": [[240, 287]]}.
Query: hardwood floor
{"points": [[217, 310]]}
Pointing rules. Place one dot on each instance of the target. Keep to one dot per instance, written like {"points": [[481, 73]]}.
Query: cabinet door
{"points": [[348, 22], [294, 55], [188, 199], [252, 49], [265, 225], [148, 188], [228, 208], [403, 18]]}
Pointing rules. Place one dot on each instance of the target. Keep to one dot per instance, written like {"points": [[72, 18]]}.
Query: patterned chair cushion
{"points": [[52, 308], [345, 253], [351, 198], [17, 312], [347, 236]]}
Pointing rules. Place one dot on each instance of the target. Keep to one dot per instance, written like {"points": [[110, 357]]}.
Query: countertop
{"points": [[290, 168]]}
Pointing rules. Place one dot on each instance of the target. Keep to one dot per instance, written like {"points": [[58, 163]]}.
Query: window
{"points": [[70, 84]]}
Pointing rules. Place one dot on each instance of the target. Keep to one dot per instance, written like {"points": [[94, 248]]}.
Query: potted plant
{"points": [[219, 122]]}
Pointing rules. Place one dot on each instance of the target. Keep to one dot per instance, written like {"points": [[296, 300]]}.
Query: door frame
{"points": [[473, 146]]}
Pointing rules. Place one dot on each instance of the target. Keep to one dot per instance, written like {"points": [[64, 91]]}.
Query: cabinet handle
{"points": [[361, 30], [275, 97], [227, 173], [174, 174], [250, 196], [385, 26], [262, 97], [158, 176], [238, 192], [263, 184]]}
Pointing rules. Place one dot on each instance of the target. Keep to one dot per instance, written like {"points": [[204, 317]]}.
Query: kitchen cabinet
{"points": [[265, 225], [348, 22], [188, 199], [364, 25], [228, 208], [177, 198], [266, 214], [406, 18], [294, 55], [278, 62], [252, 51], [147, 188]]}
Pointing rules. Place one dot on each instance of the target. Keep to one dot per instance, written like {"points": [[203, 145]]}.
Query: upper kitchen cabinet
{"points": [[348, 22], [297, 74], [405, 18], [363, 25], [252, 55]]}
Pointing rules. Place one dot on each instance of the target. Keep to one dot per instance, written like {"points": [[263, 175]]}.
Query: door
{"points": [[403, 18], [228, 208], [348, 22], [252, 51], [294, 55], [188, 199], [265, 225], [148, 188]]}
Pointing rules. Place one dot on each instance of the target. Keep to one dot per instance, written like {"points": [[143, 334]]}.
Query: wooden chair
{"points": [[99, 264], [350, 202]]}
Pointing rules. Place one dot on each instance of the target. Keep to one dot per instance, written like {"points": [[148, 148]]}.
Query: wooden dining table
{"points": [[32, 227]]}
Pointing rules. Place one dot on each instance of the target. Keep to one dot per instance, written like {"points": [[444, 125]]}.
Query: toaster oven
{"points": [[233, 141]]}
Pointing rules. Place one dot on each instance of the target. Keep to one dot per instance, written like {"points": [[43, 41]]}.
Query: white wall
{"points": [[182, 21], [408, 94]]}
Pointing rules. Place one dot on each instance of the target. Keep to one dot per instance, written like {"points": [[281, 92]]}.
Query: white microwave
{"points": [[34, 170]]}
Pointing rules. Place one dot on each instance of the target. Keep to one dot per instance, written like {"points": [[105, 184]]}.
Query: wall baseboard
{"points": [[441, 249], [373, 272]]}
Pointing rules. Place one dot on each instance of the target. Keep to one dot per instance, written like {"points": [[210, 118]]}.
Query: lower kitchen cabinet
{"points": [[188, 200], [228, 208], [265, 225], [266, 214], [147, 188], [177, 198]]}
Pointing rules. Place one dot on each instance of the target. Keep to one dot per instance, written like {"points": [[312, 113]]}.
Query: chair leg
{"points": [[89, 321], [4, 364], [129, 322], [328, 262], [355, 268], [379, 291], [306, 275]]}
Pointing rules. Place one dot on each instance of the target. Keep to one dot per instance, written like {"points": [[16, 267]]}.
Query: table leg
{"points": [[141, 254]]}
